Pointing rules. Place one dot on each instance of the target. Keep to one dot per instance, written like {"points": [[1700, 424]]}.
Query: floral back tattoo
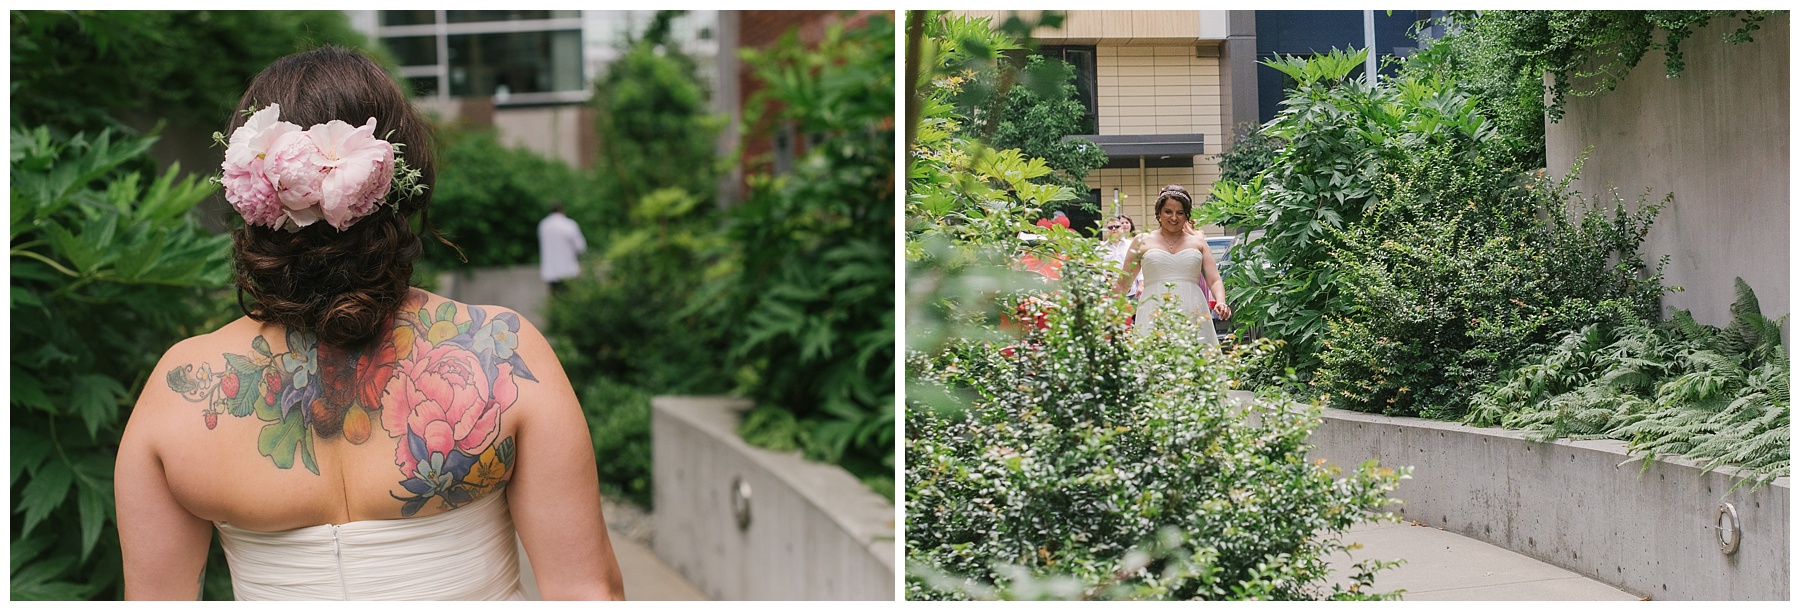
{"points": [[439, 382]]}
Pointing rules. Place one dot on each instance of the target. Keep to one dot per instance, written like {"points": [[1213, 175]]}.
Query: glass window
{"points": [[1081, 59], [408, 17], [478, 16], [521, 62], [422, 86], [413, 50]]}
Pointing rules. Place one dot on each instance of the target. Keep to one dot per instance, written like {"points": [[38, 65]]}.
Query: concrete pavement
{"points": [[1440, 565]]}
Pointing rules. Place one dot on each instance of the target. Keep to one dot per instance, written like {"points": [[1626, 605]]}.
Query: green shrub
{"points": [[618, 418], [634, 321], [108, 268], [1719, 396], [653, 119], [90, 70], [1090, 462], [1445, 298], [809, 312], [490, 197]]}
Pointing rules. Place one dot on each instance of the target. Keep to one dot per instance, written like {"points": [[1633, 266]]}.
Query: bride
{"points": [[1174, 259], [352, 437]]}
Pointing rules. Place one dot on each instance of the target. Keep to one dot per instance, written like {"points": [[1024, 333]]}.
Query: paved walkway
{"points": [[1441, 565]]}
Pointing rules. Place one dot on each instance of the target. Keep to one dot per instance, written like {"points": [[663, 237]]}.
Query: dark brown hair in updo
{"points": [[345, 285], [1179, 194]]}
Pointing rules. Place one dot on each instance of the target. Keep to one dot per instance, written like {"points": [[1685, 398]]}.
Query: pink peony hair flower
{"points": [[277, 175], [247, 186]]}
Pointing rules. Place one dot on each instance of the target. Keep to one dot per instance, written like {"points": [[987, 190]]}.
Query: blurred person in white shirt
{"points": [[560, 244]]}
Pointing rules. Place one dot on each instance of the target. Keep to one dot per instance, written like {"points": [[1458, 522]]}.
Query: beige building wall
{"points": [[1157, 72], [1160, 89], [1716, 137]]}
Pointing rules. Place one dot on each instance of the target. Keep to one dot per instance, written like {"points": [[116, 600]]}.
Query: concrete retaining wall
{"points": [[519, 287], [1571, 504], [1717, 137], [815, 532]]}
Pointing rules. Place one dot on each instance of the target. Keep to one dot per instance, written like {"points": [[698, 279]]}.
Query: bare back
{"points": [[268, 430]]}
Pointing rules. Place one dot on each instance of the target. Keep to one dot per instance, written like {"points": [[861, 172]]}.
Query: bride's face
{"points": [[1170, 216]]}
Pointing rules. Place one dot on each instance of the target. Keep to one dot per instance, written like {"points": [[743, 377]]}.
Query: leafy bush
{"points": [[632, 330], [1038, 114], [1321, 183], [107, 268], [1719, 396], [632, 322], [618, 419], [652, 117], [86, 71], [1117, 465], [810, 310], [1454, 281], [489, 198], [1501, 57], [1253, 151]]}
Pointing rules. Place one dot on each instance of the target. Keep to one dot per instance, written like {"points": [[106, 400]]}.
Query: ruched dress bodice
{"points": [[1174, 274], [468, 553]]}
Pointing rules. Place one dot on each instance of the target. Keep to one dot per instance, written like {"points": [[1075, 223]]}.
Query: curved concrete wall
{"points": [[815, 532], [1571, 504]]}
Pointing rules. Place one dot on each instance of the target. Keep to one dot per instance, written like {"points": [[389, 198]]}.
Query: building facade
{"points": [[529, 74], [1168, 89]]}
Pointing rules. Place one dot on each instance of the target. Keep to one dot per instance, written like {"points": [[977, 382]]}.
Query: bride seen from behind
{"points": [[1173, 258], [353, 437]]}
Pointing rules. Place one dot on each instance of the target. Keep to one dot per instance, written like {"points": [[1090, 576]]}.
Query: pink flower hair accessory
{"points": [[279, 176]]}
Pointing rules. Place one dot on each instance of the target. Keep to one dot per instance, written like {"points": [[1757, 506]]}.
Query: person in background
{"points": [[1118, 242], [559, 245]]}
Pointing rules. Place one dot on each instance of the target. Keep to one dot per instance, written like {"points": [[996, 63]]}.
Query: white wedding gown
{"points": [[466, 553], [1177, 274]]}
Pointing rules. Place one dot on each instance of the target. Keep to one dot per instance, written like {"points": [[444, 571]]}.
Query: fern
{"points": [[1679, 388]]}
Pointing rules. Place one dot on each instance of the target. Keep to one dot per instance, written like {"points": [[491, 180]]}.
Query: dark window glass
{"points": [[1081, 59], [475, 16], [422, 86], [413, 50], [522, 62], [408, 17]]}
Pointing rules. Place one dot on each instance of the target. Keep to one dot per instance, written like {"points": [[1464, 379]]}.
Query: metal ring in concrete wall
{"points": [[740, 502], [1730, 531]]}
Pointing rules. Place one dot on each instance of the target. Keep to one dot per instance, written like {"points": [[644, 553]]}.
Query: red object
{"points": [[212, 419]]}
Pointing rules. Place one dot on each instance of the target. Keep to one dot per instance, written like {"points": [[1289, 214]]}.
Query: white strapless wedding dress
{"points": [[468, 553], [1174, 274]]}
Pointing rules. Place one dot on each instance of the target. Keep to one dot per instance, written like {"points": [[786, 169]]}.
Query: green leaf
{"points": [[446, 311], [44, 493], [261, 346], [95, 399], [28, 392], [93, 505]]}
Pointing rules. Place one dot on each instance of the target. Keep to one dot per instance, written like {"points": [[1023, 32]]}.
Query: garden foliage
{"points": [[1118, 466], [1502, 57], [810, 309], [79, 71], [105, 265], [1408, 259], [1676, 388], [489, 198], [1049, 453], [628, 332], [653, 120], [1039, 111]]}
